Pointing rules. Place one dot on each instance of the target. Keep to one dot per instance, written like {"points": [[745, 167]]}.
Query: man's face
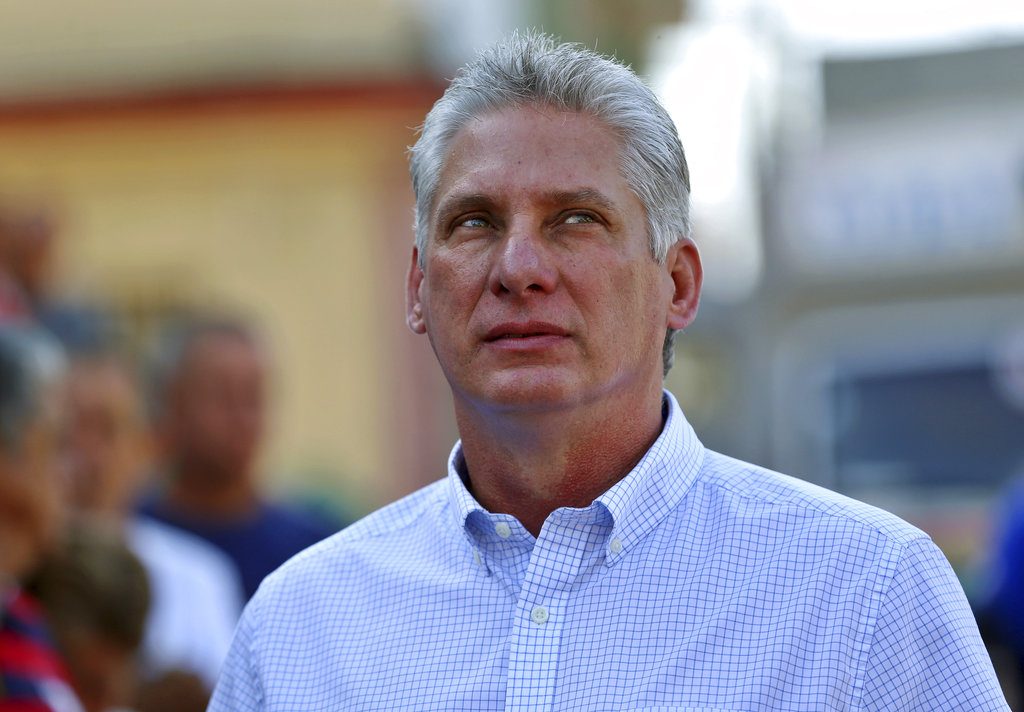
{"points": [[217, 406], [32, 491], [107, 440], [538, 289]]}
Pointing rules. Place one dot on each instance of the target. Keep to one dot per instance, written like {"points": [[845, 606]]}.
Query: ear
{"points": [[413, 303], [687, 275]]}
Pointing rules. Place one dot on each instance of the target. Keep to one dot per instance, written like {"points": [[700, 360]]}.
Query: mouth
{"points": [[524, 332]]}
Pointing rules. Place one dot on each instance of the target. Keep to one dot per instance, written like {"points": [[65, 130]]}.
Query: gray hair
{"points": [[534, 68], [30, 363]]}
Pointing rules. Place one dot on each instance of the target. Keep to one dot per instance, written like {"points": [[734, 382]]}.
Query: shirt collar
{"points": [[639, 501], [463, 502], [656, 484]]}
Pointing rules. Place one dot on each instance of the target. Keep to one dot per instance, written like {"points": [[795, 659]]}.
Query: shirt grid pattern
{"points": [[731, 588]]}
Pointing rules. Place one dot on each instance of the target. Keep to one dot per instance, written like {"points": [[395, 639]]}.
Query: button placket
{"points": [[557, 559], [534, 655]]}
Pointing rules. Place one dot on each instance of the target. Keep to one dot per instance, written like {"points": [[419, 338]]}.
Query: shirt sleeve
{"points": [[238, 687], [926, 653]]}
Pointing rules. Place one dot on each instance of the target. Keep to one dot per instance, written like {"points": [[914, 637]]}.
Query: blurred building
{"points": [[901, 277], [250, 157], [865, 226]]}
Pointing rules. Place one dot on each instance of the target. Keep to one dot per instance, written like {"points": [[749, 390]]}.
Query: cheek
{"points": [[634, 303], [452, 289], [624, 294]]}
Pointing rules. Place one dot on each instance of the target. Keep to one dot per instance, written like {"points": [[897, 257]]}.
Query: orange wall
{"points": [[291, 206]]}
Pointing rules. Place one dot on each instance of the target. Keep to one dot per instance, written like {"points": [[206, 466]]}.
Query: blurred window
{"points": [[953, 426]]}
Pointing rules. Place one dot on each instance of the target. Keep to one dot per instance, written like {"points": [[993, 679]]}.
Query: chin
{"points": [[534, 389]]}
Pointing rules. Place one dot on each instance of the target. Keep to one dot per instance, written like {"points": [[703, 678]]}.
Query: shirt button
{"points": [[503, 530], [539, 615], [616, 545]]}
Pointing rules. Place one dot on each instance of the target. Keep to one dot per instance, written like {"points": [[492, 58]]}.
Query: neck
{"points": [[212, 496], [530, 465]]}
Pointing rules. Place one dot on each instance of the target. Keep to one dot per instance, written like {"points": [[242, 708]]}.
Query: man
{"points": [[27, 238], [196, 591], [32, 676], [586, 552], [212, 421]]}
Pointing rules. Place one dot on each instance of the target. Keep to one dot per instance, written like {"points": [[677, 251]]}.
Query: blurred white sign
{"points": [[897, 204]]}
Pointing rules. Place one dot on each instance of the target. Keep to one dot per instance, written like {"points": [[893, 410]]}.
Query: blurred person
{"points": [[211, 419], [26, 255], [32, 675], [196, 592], [95, 596], [1000, 604], [586, 551], [28, 250]]}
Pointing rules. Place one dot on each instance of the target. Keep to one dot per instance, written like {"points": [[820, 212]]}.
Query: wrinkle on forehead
{"points": [[467, 183]]}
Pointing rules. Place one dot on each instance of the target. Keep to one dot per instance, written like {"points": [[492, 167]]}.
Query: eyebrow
{"points": [[587, 196], [476, 201], [457, 204]]}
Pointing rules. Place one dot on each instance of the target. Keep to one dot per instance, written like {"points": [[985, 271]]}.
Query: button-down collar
{"points": [[636, 503]]}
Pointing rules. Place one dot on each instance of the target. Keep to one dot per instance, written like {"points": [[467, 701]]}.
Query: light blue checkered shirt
{"points": [[697, 583]]}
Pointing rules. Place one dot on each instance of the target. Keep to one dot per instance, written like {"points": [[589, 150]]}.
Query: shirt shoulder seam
{"points": [[366, 529], [902, 536]]}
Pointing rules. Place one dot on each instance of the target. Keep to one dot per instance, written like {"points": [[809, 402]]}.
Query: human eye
{"points": [[474, 221], [579, 219], [469, 226]]}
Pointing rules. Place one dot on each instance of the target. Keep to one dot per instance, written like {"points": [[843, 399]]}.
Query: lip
{"points": [[525, 334]]}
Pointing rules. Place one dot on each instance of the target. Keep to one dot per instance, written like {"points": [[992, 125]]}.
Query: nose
{"points": [[523, 264]]}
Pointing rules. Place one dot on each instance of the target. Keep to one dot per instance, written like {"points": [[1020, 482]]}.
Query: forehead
{"points": [[101, 382], [511, 151], [219, 346]]}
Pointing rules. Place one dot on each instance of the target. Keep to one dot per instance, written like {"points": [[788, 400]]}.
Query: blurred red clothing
{"points": [[32, 677]]}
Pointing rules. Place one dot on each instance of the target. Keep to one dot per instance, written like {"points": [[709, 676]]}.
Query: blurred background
{"points": [[858, 187]]}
